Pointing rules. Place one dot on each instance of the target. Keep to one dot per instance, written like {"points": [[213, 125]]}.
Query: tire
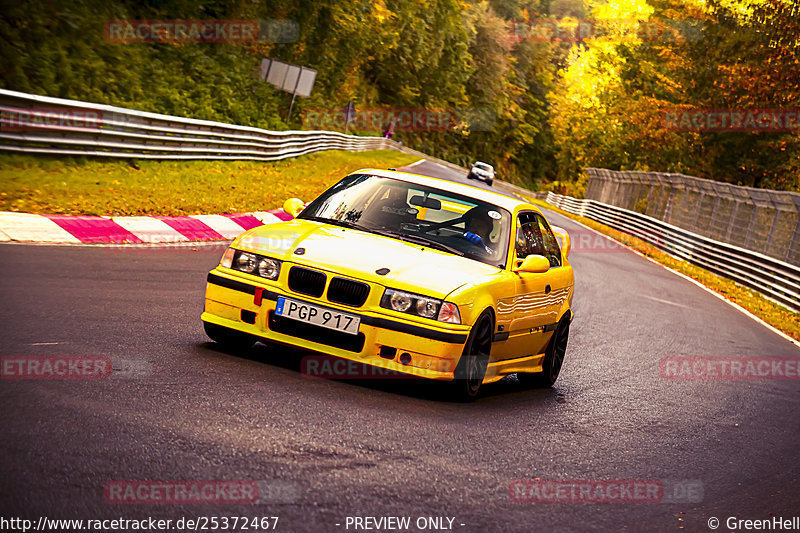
{"points": [[553, 359], [229, 339], [474, 360], [489, 182]]}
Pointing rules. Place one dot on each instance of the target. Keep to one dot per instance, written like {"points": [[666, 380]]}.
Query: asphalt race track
{"points": [[177, 408]]}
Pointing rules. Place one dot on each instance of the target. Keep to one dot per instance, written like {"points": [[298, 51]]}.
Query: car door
{"points": [[529, 310], [559, 277]]}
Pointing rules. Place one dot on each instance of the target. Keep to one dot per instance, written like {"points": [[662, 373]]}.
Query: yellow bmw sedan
{"points": [[408, 273]]}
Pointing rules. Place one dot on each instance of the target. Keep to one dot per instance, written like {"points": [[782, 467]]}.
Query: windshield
{"points": [[415, 213], [483, 166]]}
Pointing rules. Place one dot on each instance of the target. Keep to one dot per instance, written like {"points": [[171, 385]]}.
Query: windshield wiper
{"points": [[419, 239], [334, 222], [416, 239]]}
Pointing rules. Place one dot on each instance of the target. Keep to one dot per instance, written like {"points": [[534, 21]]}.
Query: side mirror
{"points": [[535, 264], [293, 206]]}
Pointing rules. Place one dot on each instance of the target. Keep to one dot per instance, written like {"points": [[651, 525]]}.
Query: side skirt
{"points": [[497, 370]]}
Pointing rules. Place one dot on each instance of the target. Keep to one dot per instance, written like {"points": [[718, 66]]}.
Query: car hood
{"points": [[359, 254]]}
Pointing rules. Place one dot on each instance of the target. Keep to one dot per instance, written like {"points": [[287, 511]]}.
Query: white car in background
{"points": [[481, 171]]}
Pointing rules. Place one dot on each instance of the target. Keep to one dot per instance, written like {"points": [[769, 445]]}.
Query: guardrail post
{"points": [[668, 207], [714, 214], [732, 220], [750, 227], [795, 241], [772, 230], [697, 211]]}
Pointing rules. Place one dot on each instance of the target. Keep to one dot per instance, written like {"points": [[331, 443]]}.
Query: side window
{"points": [[550, 245], [529, 240]]}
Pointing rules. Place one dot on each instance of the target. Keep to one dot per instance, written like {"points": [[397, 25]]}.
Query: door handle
{"points": [[547, 289]]}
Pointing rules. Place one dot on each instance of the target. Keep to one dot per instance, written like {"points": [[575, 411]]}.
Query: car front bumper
{"points": [[248, 306]]}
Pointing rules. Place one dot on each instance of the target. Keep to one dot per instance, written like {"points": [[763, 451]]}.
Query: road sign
{"points": [[293, 79]]}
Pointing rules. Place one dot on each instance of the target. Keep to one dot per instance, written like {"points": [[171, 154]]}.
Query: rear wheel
{"points": [[472, 366], [553, 359], [229, 339]]}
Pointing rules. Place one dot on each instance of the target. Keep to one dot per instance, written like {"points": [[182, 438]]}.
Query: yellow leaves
{"points": [[743, 9], [620, 11], [380, 12], [591, 71]]}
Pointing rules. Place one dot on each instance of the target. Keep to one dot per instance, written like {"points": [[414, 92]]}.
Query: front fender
{"points": [[473, 298]]}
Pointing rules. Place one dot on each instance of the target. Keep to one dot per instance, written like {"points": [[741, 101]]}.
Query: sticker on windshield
{"points": [[494, 214]]}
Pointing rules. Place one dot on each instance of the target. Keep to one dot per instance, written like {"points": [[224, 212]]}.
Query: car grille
{"points": [[348, 292], [313, 333], [305, 281]]}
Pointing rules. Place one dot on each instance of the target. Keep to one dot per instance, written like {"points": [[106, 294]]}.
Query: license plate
{"points": [[319, 316]]}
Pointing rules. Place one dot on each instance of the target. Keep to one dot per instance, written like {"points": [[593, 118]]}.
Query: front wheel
{"points": [[489, 182], [553, 359], [229, 339], [472, 366]]}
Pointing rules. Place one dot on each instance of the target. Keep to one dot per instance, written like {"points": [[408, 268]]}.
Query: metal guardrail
{"points": [[771, 277], [81, 128], [55, 126], [760, 220]]}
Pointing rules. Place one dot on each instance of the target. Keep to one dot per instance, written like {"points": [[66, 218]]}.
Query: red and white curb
{"points": [[27, 227]]}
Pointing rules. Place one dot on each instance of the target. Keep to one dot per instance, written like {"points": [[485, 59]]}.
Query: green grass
{"points": [[80, 186], [773, 314]]}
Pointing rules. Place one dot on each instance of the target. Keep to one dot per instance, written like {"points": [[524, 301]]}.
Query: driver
{"points": [[479, 226]]}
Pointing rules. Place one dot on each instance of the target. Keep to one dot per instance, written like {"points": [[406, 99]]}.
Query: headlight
{"points": [[416, 304], [245, 262], [255, 264], [268, 268], [427, 307], [400, 301]]}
